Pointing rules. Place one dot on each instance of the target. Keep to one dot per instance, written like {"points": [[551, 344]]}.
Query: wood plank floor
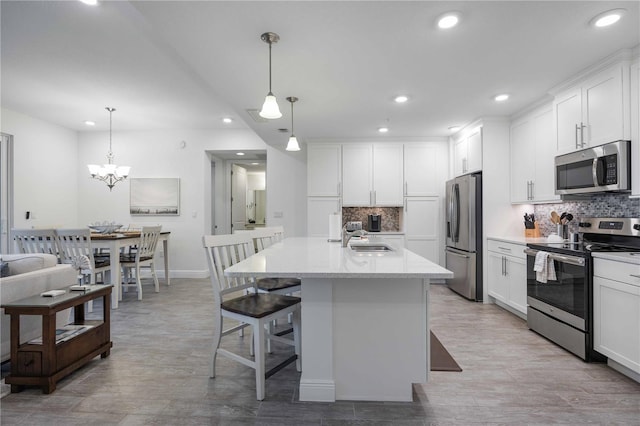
{"points": [[157, 374]]}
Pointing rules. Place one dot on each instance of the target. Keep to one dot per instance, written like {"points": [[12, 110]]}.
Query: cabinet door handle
{"points": [[464, 165], [582, 127], [532, 197], [406, 191], [502, 272], [406, 205], [505, 249], [577, 143], [506, 272]]}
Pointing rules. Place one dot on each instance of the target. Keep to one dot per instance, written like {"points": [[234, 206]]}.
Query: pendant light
{"points": [[270, 107], [292, 145], [109, 173]]}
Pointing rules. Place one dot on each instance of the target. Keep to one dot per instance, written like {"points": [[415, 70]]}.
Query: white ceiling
{"points": [[187, 64]]}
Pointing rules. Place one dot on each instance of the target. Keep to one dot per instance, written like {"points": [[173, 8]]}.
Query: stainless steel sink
{"points": [[371, 248]]}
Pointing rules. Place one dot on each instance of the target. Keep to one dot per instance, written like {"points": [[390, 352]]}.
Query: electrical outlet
{"points": [[277, 214]]}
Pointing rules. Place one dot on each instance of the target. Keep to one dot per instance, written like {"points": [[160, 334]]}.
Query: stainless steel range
{"points": [[561, 309]]}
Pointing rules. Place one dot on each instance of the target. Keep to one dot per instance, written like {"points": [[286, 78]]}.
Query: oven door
{"points": [[564, 298]]}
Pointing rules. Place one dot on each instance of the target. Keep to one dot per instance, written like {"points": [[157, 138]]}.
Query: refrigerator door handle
{"points": [[456, 213]]}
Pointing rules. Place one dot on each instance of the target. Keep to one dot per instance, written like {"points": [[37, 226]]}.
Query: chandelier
{"points": [[109, 173]]}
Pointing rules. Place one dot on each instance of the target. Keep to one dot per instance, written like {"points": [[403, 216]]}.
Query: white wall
{"points": [[287, 190], [45, 171], [159, 154]]}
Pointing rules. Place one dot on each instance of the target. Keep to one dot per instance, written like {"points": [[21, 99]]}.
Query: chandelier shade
{"points": [[270, 109], [109, 173]]}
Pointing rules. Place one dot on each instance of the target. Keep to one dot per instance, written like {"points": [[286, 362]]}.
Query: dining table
{"points": [[123, 240]]}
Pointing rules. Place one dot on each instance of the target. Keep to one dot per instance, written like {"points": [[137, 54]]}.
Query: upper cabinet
{"points": [[635, 128], [593, 112], [532, 152], [425, 169], [372, 174], [323, 170], [467, 153]]}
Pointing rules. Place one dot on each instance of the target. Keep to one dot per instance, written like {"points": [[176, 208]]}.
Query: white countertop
{"points": [[633, 258], [519, 239], [316, 258]]}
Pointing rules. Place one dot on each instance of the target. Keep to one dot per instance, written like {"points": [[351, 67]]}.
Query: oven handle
{"points": [[560, 258]]}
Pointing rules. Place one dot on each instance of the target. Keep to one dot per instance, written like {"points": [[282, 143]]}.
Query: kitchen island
{"points": [[365, 318]]}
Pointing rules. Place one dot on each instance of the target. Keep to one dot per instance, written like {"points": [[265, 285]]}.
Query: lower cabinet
{"points": [[394, 240], [616, 312], [507, 274]]}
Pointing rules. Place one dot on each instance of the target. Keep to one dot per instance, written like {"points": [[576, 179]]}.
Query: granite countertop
{"points": [[316, 258]]}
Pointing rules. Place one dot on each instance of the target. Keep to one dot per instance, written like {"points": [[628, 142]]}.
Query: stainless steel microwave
{"points": [[603, 168]]}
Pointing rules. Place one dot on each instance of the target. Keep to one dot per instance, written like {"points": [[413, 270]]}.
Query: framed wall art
{"points": [[155, 197]]}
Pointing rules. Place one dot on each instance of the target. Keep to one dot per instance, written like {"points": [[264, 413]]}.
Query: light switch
{"points": [[277, 214]]}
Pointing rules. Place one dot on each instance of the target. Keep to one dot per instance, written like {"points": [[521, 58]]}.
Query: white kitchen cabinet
{"points": [[507, 274], [372, 175], [616, 312], [532, 158], [394, 240], [422, 226], [635, 128], [318, 211], [467, 153], [593, 112], [425, 169], [324, 170]]}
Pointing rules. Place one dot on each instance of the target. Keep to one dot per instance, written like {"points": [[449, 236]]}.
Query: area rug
{"points": [[441, 359]]}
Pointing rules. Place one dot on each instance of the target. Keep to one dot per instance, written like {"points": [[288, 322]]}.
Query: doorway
{"points": [[236, 182], [6, 191]]}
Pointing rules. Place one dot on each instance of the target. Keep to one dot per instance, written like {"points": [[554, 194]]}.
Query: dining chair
{"points": [[263, 238], [35, 241], [143, 257], [253, 309], [72, 244]]}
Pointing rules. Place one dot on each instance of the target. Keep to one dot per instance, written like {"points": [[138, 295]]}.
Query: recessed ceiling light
{"points": [[448, 20], [90, 2], [607, 18], [454, 128], [401, 99], [240, 154], [227, 120], [383, 129], [501, 98], [90, 123]]}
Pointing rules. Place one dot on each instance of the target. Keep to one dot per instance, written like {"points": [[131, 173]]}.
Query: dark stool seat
{"points": [[273, 284], [259, 305]]}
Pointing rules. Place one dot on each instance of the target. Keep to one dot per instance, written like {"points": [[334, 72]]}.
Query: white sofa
{"points": [[29, 275]]}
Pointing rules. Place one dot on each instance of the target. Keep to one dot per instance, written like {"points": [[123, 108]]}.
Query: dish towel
{"points": [[544, 267]]}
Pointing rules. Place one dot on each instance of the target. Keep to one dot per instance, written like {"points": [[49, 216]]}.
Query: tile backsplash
{"points": [[390, 216], [599, 205]]}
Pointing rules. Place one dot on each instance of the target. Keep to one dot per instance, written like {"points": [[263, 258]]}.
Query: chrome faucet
{"points": [[347, 235]]}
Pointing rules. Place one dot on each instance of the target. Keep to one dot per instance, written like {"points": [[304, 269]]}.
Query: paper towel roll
{"points": [[335, 227]]}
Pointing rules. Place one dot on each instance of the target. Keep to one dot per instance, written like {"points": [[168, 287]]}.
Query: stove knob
{"points": [[584, 225]]}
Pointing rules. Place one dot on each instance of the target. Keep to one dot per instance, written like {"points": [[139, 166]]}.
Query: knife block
{"points": [[532, 233]]}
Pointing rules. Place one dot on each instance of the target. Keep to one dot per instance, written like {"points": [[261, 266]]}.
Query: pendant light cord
{"points": [[270, 67], [110, 155], [292, 119]]}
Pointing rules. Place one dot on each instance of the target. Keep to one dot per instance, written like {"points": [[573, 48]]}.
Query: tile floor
{"points": [[157, 374]]}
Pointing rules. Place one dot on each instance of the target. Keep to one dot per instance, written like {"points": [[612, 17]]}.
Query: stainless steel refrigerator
{"points": [[464, 235]]}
